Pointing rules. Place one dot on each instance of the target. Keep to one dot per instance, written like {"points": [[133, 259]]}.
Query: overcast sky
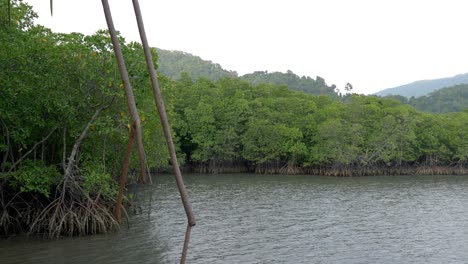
{"points": [[372, 44]]}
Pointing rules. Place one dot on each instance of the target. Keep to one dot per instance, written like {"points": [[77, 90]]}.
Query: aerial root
{"points": [[74, 213]]}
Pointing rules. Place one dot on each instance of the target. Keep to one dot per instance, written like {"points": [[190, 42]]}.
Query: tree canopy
{"points": [[268, 125], [294, 82], [62, 105], [173, 63], [177, 65]]}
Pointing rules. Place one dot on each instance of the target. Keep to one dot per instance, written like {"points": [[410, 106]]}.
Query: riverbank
{"points": [[75, 214], [338, 171]]}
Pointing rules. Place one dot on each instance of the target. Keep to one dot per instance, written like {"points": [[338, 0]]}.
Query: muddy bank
{"points": [[339, 171]]}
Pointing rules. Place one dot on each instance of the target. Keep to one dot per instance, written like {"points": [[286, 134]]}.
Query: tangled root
{"points": [[71, 213], [74, 213]]}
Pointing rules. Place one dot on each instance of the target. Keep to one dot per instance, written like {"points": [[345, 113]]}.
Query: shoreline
{"points": [[333, 172]]}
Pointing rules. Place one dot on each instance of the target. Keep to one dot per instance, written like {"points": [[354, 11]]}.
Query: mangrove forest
{"points": [[64, 124]]}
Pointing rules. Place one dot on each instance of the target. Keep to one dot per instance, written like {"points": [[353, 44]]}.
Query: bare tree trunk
{"points": [[128, 88], [123, 179], [163, 116], [7, 151], [77, 145], [43, 152], [166, 128], [64, 153]]}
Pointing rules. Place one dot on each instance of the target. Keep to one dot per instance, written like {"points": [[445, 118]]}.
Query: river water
{"points": [[248, 218]]}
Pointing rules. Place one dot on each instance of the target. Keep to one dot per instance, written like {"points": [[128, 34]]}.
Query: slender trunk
{"points": [[128, 88], [64, 153], [43, 152], [166, 128], [163, 116], [8, 147], [72, 158], [123, 179], [104, 149]]}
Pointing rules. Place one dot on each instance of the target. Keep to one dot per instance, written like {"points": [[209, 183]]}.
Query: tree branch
{"points": [[31, 150], [76, 146], [7, 152]]}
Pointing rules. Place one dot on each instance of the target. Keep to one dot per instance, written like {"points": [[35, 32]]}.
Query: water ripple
{"points": [[280, 219]]}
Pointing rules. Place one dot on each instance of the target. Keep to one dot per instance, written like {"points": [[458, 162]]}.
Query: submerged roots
{"points": [[71, 213], [73, 218]]}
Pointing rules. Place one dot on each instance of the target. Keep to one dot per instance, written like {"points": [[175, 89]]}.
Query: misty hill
{"points": [[172, 63], [445, 100], [451, 99], [294, 82], [420, 88]]}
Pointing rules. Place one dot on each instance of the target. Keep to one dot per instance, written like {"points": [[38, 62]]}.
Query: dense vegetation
{"points": [[64, 127], [452, 99], [64, 122], [305, 84], [446, 100], [173, 63], [425, 87], [273, 129]]}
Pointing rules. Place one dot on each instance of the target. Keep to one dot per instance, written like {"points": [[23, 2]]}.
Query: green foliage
{"points": [[56, 82], [180, 65], [210, 118], [446, 100], [35, 177], [230, 120], [266, 142], [459, 136], [294, 82], [96, 181], [16, 15], [451, 99], [173, 63]]}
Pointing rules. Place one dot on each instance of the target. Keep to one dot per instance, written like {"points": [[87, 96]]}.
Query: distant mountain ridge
{"points": [[445, 100], [294, 82], [173, 63], [424, 87]]}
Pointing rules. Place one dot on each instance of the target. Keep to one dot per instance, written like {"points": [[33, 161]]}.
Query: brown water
{"points": [[249, 218]]}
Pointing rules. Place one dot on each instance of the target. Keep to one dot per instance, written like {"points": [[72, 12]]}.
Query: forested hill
{"points": [[172, 63], [420, 88], [294, 82], [446, 100]]}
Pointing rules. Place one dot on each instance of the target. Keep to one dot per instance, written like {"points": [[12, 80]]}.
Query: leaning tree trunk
{"points": [[166, 128], [123, 179], [128, 88], [163, 116]]}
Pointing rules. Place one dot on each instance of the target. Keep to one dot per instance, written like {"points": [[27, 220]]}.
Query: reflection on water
{"points": [[249, 218]]}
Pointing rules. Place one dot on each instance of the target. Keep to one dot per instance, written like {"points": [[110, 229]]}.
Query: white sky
{"points": [[372, 44]]}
